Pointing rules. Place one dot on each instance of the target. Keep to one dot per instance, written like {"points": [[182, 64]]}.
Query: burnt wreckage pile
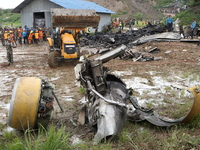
{"points": [[113, 40]]}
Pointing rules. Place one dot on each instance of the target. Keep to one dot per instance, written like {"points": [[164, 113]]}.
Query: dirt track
{"points": [[151, 80]]}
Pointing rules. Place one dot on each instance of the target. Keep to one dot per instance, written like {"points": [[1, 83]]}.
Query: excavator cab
{"points": [[65, 43]]}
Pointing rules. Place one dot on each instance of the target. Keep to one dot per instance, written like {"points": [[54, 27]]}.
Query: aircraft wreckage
{"points": [[130, 38], [108, 100]]}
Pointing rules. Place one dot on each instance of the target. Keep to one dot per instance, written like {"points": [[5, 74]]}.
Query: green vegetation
{"points": [[119, 13], [188, 15], [82, 90], [163, 3], [52, 139], [142, 136], [9, 19]]}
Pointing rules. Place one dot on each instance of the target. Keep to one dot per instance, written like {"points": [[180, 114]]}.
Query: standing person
{"points": [[181, 31], [193, 25], [142, 22], [132, 23], [87, 31], [19, 35], [9, 52], [26, 28], [40, 34], [25, 37], [11, 38], [15, 33], [1, 37], [36, 36], [147, 22], [169, 23], [30, 37], [5, 36], [120, 25]]}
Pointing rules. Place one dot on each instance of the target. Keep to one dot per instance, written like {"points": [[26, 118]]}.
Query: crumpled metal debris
{"points": [[167, 36], [110, 103], [114, 40]]}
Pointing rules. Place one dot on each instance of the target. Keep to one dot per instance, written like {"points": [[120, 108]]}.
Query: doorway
{"points": [[39, 19]]}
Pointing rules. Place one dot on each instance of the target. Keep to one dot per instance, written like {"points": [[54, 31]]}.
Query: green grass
{"points": [[137, 136], [51, 139], [82, 90]]}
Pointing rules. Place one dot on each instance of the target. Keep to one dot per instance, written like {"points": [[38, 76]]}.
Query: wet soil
{"points": [[152, 81]]}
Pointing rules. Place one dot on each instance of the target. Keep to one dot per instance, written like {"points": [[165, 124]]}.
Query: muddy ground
{"points": [[152, 81]]}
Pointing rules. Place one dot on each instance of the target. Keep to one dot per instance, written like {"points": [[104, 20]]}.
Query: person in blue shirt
{"points": [[169, 23], [25, 37], [193, 25]]}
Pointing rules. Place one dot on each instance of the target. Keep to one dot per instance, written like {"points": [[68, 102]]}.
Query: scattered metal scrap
{"points": [[167, 36]]}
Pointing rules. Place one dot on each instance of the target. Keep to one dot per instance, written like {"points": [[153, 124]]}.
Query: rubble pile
{"points": [[112, 40]]}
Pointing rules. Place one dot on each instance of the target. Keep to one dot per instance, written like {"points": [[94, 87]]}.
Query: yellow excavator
{"points": [[67, 24]]}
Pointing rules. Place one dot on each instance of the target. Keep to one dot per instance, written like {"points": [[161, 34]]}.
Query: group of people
{"points": [[169, 25], [15, 36]]}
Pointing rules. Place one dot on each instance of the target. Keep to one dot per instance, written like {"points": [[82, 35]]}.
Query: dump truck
{"points": [[67, 23]]}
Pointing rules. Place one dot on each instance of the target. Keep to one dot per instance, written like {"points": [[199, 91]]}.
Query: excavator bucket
{"points": [[74, 18]]}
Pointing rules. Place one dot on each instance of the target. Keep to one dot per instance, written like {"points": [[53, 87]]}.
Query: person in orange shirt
{"points": [[11, 39], [40, 34], [36, 36], [19, 36], [30, 37], [5, 36]]}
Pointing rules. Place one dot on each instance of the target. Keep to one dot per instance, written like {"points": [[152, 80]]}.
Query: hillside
{"points": [[132, 8], [9, 19], [153, 9], [139, 9]]}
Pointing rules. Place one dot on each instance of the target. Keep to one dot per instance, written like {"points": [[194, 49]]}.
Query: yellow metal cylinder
{"points": [[195, 110], [24, 103]]}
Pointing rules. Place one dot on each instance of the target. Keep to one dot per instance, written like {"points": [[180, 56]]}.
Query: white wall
{"points": [[37, 6], [105, 20], [45, 6]]}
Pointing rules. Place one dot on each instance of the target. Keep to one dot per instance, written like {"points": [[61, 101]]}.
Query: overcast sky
{"points": [[9, 3]]}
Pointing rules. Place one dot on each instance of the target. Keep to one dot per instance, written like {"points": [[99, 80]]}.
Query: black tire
{"points": [[53, 63]]}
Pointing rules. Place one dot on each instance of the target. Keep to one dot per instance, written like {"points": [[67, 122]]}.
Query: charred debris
{"points": [[131, 38]]}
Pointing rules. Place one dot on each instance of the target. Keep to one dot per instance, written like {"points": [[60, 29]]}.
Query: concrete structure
{"points": [[36, 13]]}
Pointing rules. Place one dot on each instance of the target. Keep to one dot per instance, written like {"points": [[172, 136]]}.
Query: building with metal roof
{"points": [[36, 13]]}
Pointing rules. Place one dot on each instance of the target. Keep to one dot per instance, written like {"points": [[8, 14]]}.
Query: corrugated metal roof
{"points": [[70, 4], [20, 6], [79, 4]]}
